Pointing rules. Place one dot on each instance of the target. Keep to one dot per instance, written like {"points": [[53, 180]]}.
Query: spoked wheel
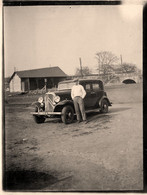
{"points": [[38, 119], [67, 115], [104, 106]]}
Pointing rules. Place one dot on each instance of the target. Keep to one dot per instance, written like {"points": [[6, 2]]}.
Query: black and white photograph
{"points": [[73, 97]]}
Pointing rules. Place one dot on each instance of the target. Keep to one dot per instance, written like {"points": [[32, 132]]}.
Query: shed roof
{"points": [[41, 73]]}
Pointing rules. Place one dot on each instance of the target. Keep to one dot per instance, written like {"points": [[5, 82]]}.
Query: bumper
{"points": [[45, 113], [59, 113]]}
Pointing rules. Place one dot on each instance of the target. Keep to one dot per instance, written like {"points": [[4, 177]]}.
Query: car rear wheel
{"points": [[67, 115], [104, 106], [38, 119]]}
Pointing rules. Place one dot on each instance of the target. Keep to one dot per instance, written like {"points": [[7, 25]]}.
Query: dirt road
{"points": [[106, 154]]}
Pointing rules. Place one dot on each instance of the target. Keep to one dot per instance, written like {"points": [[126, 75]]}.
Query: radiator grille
{"points": [[48, 102]]}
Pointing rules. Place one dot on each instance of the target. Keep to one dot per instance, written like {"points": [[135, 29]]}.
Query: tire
{"points": [[104, 106], [38, 119], [67, 115]]}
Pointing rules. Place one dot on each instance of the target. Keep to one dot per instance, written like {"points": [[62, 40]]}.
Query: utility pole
{"points": [[81, 67], [121, 59]]}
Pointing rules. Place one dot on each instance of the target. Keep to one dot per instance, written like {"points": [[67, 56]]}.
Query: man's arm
{"points": [[83, 92], [72, 93]]}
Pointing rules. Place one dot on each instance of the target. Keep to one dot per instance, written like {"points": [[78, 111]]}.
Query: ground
{"points": [[106, 154]]}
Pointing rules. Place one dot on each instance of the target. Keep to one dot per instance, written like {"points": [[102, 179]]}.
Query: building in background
{"points": [[6, 83], [27, 80]]}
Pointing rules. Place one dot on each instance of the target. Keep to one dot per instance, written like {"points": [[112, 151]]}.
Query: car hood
{"points": [[64, 94]]}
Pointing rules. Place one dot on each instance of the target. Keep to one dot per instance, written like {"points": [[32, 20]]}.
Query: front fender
{"points": [[63, 103], [36, 104]]}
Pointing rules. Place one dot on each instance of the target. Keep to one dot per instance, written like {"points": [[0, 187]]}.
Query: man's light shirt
{"points": [[78, 90]]}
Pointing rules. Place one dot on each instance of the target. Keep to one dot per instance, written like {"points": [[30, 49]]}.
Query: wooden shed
{"points": [[27, 80]]}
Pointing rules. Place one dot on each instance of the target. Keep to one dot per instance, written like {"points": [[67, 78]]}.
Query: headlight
{"points": [[40, 100], [56, 99]]}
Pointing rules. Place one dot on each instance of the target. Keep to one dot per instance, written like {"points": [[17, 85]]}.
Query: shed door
{"points": [[23, 86]]}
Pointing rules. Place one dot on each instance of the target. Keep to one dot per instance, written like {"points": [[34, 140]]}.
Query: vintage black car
{"points": [[60, 104]]}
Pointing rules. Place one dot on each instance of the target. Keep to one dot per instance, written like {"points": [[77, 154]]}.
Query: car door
{"points": [[87, 100], [97, 93]]}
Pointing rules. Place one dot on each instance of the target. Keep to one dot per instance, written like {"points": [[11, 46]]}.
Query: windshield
{"points": [[62, 86]]}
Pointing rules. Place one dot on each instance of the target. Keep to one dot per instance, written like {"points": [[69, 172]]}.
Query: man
{"points": [[78, 93]]}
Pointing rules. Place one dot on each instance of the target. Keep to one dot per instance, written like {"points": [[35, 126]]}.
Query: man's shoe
{"points": [[79, 121], [85, 121]]}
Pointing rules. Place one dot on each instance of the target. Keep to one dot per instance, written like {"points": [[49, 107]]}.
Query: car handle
{"points": [[93, 92]]}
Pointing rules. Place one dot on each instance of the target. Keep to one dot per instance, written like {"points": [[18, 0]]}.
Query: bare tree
{"points": [[85, 71], [128, 68], [105, 61]]}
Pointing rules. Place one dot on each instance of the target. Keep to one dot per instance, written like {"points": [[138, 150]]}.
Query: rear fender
{"points": [[104, 97]]}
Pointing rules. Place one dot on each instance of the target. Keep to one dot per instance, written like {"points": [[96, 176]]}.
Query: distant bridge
{"points": [[130, 79], [126, 78]]}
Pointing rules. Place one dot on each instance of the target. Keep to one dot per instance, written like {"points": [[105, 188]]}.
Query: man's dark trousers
{"points": [[79, 107]]}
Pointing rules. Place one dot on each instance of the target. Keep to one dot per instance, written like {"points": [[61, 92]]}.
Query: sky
{"points": [[47, 36]]}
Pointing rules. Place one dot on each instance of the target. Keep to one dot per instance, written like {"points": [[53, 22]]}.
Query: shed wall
{"points": [[15, 84]]}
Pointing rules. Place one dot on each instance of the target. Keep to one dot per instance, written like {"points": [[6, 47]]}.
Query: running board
{"points": [[94, 110]]}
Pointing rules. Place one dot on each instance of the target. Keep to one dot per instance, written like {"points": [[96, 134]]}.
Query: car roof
{"points": [[80, 80]]}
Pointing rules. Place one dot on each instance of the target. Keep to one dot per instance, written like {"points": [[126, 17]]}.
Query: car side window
{"points": [[87, 87], [95, 87]]}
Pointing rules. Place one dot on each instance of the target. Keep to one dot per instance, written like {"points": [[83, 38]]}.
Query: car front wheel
{"points": [[67, 115], [104, 106], [38, 119]]}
